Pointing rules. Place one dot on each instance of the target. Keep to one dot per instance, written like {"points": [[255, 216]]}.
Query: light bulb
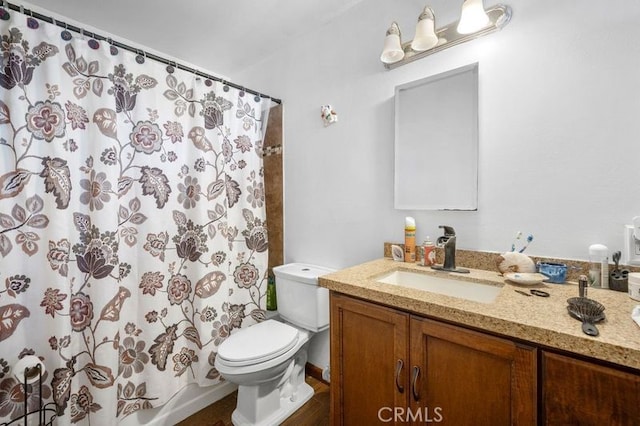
{"points": [[473, 17]]}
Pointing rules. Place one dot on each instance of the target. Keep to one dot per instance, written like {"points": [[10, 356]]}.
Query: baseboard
{"points": [[315, 372]]}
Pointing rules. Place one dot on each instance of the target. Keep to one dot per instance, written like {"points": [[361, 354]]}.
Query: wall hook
{"points": [[329, 116]]}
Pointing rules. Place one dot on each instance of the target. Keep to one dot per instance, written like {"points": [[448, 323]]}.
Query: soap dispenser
{"points": [[428, 252]]}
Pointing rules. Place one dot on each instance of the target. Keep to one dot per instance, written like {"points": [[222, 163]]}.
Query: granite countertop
{"points": [[540, 320]]}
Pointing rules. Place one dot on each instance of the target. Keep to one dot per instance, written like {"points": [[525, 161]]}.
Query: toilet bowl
{"points": [[267, 360]]}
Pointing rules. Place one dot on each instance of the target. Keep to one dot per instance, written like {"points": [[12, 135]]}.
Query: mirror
{"points": [[436, 142]]}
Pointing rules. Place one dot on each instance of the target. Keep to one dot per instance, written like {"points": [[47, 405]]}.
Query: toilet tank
{"points": [[301, 301]]}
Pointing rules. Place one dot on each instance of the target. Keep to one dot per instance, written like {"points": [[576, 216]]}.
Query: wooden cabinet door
{"points": [[369, 357], [576, 392], [462, 377]]}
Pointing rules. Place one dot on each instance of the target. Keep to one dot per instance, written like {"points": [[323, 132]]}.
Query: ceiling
{"points": [[221, 36]]}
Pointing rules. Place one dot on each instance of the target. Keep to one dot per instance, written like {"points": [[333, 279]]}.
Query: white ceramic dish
{"points": [[525, 278]]}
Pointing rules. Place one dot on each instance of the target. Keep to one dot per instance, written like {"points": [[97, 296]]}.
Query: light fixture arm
{"points": [[499, 16]]}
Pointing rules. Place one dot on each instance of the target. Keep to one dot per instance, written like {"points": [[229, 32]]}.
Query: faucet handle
{"points": [[448, 233], [448, 230]]}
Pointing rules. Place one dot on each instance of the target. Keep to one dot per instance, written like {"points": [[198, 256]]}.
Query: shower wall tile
{"points": [[274, 186]]}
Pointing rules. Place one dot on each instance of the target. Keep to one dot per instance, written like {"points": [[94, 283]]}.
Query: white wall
{"points": [[559, 91], [559, 131]]}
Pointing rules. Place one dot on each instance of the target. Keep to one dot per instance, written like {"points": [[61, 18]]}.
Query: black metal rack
{"points": [[43, 411]]}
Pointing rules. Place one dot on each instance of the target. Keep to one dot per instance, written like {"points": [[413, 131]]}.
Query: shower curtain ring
{"points": [[4, 13], [140, 58]]}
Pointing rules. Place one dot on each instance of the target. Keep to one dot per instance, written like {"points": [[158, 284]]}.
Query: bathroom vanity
{"points": [[402, 355]]}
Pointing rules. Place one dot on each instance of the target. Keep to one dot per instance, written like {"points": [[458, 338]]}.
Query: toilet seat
{"points": [[259, 343]]}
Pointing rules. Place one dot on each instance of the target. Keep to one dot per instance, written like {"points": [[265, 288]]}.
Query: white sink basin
{"points": [[443, 284]]}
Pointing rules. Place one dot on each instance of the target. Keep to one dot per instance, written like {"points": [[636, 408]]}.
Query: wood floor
{"points": [[314, 413]]}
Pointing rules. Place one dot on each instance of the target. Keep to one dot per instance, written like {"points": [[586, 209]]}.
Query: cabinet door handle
{"points": [[399, 366], [414, 383]]}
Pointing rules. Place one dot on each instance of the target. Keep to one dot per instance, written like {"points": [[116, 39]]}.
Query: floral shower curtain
{"points": [[132, 225]]}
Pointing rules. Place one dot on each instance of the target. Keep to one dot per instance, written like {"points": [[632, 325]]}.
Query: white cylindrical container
{"points": [[604, 272], [634, 285], [598, 265]]}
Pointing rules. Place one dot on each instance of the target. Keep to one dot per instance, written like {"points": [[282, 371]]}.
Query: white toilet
{"points": [[267, 360]]}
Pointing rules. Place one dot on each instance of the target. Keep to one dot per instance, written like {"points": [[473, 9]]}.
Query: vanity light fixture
{"points": [[474, 22], [392, 51]]}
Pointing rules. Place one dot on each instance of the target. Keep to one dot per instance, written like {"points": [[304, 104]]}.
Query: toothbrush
{"points": [[517, 237], [529, 239]]}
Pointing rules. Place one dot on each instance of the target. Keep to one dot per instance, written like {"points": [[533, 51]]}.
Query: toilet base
{"points": [[287, 408]]}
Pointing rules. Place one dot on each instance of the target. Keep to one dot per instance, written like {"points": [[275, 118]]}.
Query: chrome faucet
{"points": [[448, 242]]}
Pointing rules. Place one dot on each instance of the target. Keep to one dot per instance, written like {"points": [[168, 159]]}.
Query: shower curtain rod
{"points": [[146, 54]]}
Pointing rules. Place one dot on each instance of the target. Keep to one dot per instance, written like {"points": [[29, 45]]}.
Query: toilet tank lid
{"points": [[302, 272]]}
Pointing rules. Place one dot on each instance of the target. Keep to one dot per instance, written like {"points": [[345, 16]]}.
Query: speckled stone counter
{"points": [[539, 320]]}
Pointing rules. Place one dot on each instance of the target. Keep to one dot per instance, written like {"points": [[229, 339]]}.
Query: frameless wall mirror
{"points": [[436, 142]]}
